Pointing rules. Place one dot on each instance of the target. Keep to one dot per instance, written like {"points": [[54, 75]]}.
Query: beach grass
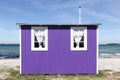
{"points": [[14, 74]]}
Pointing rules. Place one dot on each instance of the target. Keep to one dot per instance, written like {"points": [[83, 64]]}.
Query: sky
{"points": [[106, 12]]}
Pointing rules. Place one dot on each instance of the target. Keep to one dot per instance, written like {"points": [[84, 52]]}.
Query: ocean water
{"points": [[109, 50], [105, 51], [9, 50]]}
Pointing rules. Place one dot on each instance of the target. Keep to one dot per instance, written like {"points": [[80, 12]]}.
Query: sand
{"points": [[109, 64], [104, 63], [9, 63]]}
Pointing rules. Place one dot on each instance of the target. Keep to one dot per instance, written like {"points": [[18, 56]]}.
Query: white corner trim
{"points": [[32, 39], [20, 40], [85, 40], [97, 53]]}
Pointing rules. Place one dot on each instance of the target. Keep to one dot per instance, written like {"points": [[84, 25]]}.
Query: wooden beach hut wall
{"points": [[58, 48]]}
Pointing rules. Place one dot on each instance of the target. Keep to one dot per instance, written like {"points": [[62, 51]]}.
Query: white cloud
{"points": [[2, 30], [9, 36], [102, 16], [12, 9], [60, 9], [19, 11], [113, 7], [64, 17], [55, 5]]}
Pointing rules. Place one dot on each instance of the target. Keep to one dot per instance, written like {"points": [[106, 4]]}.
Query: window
{"points": [[78, 38], [39, 38]]}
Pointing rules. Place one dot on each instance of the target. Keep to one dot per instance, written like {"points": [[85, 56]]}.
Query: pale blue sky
{"points": [[106, 12]]}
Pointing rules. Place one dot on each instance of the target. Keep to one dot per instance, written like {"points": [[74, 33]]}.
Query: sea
{"points": [[105, 51], [109, 50], [9, 51]]}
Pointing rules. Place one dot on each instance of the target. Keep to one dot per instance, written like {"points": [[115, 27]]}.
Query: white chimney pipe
{"points": [[80, 16]]}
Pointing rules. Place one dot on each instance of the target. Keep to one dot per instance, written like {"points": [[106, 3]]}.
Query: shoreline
{"points": [[103, 63]]}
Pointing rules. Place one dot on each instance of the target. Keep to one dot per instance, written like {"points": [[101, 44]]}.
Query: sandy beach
{"points": [[104, 63], [9, 63], [109, 64]]}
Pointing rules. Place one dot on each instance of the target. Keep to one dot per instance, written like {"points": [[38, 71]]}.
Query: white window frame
{"points": [[32, 39], [85, 39]]}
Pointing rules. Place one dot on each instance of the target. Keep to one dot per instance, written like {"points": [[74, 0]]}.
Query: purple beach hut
{"points": [[58, 48]]}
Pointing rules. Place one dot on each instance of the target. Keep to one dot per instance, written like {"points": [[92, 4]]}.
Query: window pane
{"points": [[39, 38], [78, 38], [36, 45], [81, 44], [82, 40], [75, 44], [35, 39]]}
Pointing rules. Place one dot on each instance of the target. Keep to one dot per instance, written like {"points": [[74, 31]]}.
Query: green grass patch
{"points": [[15, 75]]}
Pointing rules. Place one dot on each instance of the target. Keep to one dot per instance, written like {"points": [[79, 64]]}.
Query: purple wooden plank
{"points": [[59, 59]]}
